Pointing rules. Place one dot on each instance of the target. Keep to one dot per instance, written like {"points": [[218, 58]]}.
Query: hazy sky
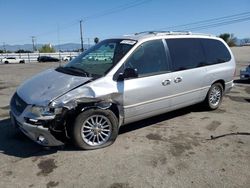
{"points": [[57, 21]]}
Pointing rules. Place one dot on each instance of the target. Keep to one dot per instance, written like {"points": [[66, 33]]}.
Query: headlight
{"points": [[45, 111]]}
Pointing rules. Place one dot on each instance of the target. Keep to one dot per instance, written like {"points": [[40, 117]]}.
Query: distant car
{"points": [[245, 73], [7, 60], [68, 58], [47, 59]]}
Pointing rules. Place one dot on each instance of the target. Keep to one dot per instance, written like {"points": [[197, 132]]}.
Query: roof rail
{"points": [[170, 33]]}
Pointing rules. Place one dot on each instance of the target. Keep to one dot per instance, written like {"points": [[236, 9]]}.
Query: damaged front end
{"points": [[51, 125]]}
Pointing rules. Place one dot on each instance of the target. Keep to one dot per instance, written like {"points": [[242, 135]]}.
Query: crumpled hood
{"points": [[48, 85]]}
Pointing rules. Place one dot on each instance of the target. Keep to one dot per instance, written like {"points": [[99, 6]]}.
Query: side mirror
{"points": [[128, 73]]}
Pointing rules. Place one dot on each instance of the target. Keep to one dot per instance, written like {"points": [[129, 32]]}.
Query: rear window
{"points": [[186, 53], [215, 51]]}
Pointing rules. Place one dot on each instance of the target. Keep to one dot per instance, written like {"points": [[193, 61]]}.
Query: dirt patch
{"points": [[178, 148], [52, 184], [5, 107], [152, 136], [170, 171], [4, 114], [161, 160], [213, 125], [46, 166], [8, 173], [238, 99], [3, 87], [247, 89], [120, 185], [182, 143], [218, 111], [203, 118], [236, 92]]}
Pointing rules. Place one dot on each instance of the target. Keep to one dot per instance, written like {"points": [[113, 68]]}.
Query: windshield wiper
{"points": [[77, 70]]}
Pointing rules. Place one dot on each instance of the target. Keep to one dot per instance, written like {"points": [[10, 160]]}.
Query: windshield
{"points": [[99, 59]]}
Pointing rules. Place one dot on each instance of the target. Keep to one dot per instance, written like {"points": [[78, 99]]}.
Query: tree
{"points": [[229, 39], [96, 40], [47, 48], [22, 51]]}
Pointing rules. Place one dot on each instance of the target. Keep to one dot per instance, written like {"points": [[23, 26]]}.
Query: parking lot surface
{"points": [[171, 150]]}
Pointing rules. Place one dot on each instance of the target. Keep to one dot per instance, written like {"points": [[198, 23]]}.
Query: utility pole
{"points": [[4, 49], [88, 43], [81, 35], [33, 43]]}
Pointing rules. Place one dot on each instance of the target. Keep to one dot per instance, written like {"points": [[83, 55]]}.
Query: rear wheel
{"points": [[214, 96], [95, 128], [6, 62]]}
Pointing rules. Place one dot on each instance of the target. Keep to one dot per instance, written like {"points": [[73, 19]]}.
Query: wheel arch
{"points": [[222, 82]]}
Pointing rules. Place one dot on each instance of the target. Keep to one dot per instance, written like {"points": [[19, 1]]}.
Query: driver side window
{"points": [[148, 59]]}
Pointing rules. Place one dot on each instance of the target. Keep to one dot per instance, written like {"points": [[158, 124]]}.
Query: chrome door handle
{"points": [[166, 82], [178, 79]]}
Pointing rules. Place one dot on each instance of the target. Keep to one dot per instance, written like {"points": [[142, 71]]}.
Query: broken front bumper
{"points": [[37, 133]]}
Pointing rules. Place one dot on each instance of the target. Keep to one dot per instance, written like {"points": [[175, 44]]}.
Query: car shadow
{"points": [[239, 81], [15, 143], [160, 118]]}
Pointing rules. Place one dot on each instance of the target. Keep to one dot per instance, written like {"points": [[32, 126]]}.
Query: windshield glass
{"points": [[99, 59]]}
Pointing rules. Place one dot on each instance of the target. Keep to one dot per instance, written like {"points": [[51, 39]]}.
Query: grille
{"points": [[17, 104]]}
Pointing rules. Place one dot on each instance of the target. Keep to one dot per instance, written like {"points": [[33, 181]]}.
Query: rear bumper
{"points": [[39, 134], [228, 86]]}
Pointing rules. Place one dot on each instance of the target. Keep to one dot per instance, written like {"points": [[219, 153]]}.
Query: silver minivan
{"points": [[119, 81]]}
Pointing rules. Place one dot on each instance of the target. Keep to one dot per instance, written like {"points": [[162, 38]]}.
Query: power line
{"points": [[118, 9], [220, 24], [213, 22]]}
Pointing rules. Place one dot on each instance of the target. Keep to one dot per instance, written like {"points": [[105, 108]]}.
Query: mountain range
{"points": [[62, 47]]}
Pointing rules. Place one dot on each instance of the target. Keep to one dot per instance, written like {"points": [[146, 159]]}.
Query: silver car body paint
{"points": [[136, 99], [46, 86]]}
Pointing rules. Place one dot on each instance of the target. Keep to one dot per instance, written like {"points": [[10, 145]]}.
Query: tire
{"points": [[6, 62], [22, 62], [214, 97], [88, 135]]}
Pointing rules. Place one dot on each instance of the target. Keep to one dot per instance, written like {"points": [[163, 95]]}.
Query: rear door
{"points": [[187, 71]]}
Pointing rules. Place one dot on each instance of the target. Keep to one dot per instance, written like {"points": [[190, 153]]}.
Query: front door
{"points": [[146, 95]]}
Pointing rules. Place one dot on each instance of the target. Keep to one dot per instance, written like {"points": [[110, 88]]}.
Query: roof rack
{"points": [[164, 33], [170, 33]]}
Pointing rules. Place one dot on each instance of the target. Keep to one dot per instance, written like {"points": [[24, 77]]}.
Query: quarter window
{"points": [[149, 59], [216, 51]]}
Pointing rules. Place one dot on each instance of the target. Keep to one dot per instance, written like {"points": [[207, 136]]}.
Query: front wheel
{"points": [[214, 96], [95, 128]]}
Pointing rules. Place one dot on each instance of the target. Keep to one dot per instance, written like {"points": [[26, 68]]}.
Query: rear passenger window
{"points": [[186, 53], [215, 51]]}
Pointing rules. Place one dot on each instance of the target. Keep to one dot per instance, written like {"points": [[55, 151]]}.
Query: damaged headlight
{"points": [[45, 111]]}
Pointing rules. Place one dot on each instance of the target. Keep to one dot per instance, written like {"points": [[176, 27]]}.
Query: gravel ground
{"points": [[170, 150]]}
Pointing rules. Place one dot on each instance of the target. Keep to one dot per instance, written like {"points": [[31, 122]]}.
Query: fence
{"points": [[32, 57]]}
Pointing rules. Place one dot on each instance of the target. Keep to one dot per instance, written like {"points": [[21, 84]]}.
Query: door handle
{"points": [[178, 79], [166, 82]]}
